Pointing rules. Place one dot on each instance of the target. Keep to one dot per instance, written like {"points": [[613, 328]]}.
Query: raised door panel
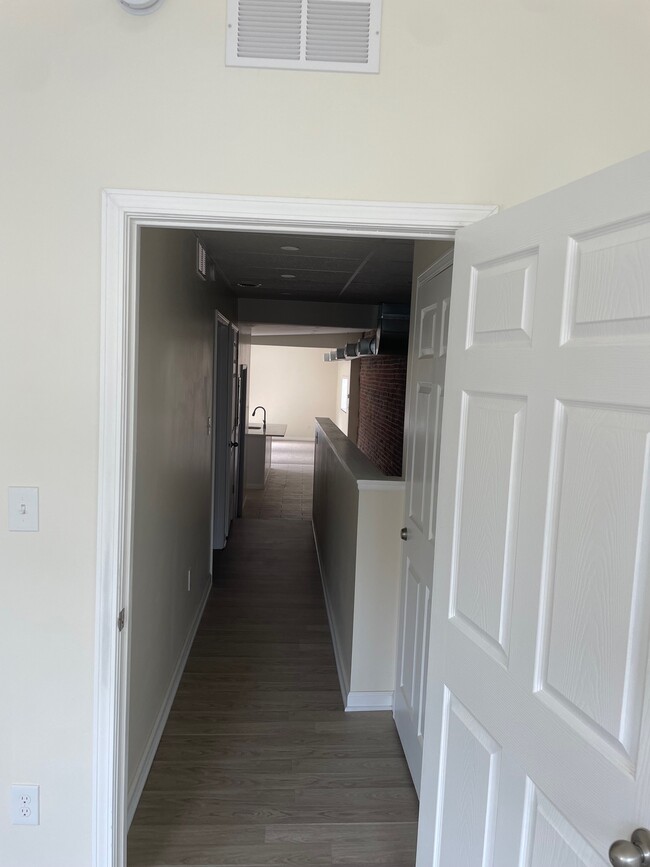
{"points": [[423, 455], [595, 614], [428, 331], [411, 617], [444, 326], [608, 278], [415, 646], [501, 301], [549, 840], [490, 458], [470, 764]]}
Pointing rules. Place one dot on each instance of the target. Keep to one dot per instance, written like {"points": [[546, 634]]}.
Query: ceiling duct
{"points": [[366, 346], [393, 330], [391, 337]]}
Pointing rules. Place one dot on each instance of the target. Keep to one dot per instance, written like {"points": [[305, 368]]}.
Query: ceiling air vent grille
{"points": [[201, 260], [269, 28], [335, 35], [338, 32]]}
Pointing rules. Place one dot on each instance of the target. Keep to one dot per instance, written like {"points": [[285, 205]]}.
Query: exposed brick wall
{"points": [[382, 392]]}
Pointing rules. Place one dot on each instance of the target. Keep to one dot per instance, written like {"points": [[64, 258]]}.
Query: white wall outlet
{"points": [[23, 510], [25, 807], [189, 580]]}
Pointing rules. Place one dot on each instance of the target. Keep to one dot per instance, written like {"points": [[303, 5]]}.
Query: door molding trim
{"points": [[124, 213], [440, 265]]}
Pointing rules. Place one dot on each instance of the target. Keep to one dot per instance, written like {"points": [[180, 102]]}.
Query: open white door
{"points": [[427, 357], [222, 403], [537, 735], [235, 436]]}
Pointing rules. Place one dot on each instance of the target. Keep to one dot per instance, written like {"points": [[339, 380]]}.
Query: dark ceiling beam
{"points": [[356, 317]]}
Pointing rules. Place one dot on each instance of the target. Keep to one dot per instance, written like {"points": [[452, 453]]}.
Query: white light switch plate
{"points": [[23, 510]]}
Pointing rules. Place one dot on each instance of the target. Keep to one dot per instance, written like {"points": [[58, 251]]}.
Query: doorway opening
{"points": [[125, 215]]}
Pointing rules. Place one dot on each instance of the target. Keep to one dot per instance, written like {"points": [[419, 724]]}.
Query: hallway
{"points": [[258, 764]]}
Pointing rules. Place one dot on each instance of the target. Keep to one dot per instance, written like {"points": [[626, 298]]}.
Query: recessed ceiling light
{"points": [[290, 249], [248, 285], [288, 276]]}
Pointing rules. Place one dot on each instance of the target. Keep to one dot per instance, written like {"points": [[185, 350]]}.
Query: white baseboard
{"points": [[358, 701], [338, 654], [144, 766]]}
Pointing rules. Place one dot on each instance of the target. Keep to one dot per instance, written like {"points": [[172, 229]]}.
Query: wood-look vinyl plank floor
{"points": [[258, 765]]}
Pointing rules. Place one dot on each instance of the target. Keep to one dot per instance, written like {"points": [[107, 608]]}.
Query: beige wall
{"points": [[173, 472], [295, 385], [376, 590], [343, 371], [475, 102], [425, 253]]}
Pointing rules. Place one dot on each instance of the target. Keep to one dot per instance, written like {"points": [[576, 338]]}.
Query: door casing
{"points": [[124, 214]]}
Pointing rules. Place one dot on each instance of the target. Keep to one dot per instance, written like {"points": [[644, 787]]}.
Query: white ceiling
{"points": [[324, 268]]}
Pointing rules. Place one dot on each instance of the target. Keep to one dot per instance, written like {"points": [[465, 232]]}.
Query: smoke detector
{"points": [[140, 7]]}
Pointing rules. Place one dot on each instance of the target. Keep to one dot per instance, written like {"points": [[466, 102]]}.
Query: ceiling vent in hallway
{"points": [[334, 35], [201, 260]]}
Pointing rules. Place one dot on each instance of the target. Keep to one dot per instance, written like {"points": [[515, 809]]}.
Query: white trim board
{"points": [[369, 701], [300, 216], [144, 766], [387, 484], [124, 213]]}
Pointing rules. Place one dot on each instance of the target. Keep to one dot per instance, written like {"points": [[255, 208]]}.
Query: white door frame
{"points": [[124, 213], [221, 431]]}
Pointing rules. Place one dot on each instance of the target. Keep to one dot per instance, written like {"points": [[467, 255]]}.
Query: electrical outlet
{"points": [[25, 808], [189, 580]]}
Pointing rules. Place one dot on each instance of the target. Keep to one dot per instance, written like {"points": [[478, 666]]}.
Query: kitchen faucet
{"points": [[264, 411]]}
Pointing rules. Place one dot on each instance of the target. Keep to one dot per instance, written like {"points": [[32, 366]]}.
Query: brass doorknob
{"points": [[631, 853]]}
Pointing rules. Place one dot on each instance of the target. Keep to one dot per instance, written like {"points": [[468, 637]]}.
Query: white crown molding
{"points": [[299, 216], [125, 212]]}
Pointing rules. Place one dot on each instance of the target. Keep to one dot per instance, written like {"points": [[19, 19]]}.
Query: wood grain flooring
{"points": [[289, 488], [258, 764]]}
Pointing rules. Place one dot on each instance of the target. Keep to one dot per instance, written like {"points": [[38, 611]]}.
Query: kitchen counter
{"points": [[271, 430], [257, 455]]}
